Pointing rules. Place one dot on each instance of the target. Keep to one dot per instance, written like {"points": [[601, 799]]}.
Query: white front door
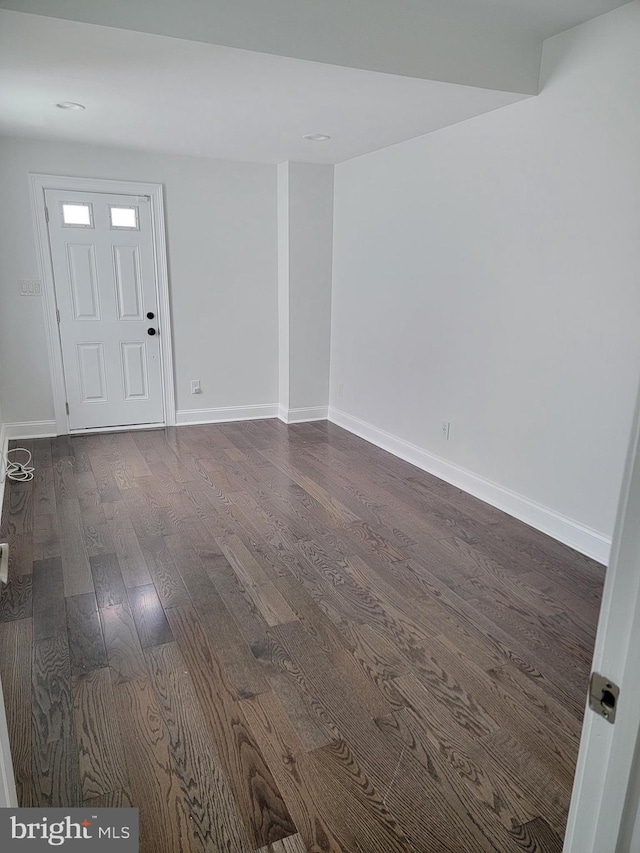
{"points": [[105, 282]]}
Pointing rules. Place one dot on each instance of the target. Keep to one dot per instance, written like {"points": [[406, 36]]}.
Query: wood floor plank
{"points": [[55, 758], [272, 606], [208, 797], [292, 844], [113, 800], [544, 740], [148, 615], [290, 765], [482, 778], [164, 818], [75, 559], [538, 700], [42, 453], [377, 659], [21, 551], [97, 534], [101, 756], [164, 573], [64, 481], [536, 836], [55, 768], [238, 601], [15, 674], [122, 644], [379, 760], [86, 643], [49, 614], [312, 727], [18, 509], [222, 629], [315, 621], [259, 800], [107, 579], [44, 497], [378, 828], [45, 542], [87, 489], [133, 565], [105, 481], [15, 598], [51, 689]]}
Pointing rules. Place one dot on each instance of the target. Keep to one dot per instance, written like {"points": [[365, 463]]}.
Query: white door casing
{"points": [[148, 261], [105, 284]]}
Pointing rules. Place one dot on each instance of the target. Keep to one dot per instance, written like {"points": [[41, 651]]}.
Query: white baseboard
{"points": [[584, 539], [30, 429], [226, 413], [303, 415]]}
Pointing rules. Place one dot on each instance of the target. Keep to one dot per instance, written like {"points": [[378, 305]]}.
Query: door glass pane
{"points": [[124, 217], [76, 214]]}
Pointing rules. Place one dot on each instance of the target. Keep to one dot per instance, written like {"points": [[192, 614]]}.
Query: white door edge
{"points": [[604, 799], [8, 795], [38, 183]]}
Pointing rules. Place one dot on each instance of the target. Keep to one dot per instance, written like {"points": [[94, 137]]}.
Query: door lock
{"points": [[151, 331], [603, 696]]}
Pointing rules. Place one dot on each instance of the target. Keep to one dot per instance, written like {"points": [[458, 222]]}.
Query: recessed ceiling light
{"points": [[70, 105], [316, 137]]}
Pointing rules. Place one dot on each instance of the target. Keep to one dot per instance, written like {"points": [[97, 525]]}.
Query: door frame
{"points": [[606, 789], [38, 183]]}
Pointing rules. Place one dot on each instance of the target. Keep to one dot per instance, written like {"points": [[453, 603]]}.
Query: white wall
{"points": [[488, 274], [221, 231], [305, 231]]}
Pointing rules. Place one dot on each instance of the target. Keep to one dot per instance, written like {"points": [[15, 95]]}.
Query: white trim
{"points": [[223, 414], [126, 428], [567, 530], [30, 429], [38, 183], [4, 445], [303, 415], [8, 794]]}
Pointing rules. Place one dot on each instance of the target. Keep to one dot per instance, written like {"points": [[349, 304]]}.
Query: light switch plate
{"points": [[30, 287]]}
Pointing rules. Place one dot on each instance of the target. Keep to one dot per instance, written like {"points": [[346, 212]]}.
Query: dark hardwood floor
{"points": [[284, 639]]}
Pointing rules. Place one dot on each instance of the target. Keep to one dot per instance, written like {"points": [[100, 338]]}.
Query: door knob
{"points": [[151, 331], [150, 315]]}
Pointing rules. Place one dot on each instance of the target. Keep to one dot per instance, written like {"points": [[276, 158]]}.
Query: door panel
{"points": [[134, 371], [104, 273], [93, 381], [83, 281], [128, 282]]}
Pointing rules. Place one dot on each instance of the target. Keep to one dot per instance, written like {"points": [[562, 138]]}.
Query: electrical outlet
{"points": [[195, 386], [446, 430]]}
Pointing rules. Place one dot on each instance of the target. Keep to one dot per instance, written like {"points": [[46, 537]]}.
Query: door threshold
{"points": [[125, 428]]}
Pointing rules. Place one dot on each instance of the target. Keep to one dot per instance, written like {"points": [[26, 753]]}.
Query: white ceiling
{"points": [[163, 94]]}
